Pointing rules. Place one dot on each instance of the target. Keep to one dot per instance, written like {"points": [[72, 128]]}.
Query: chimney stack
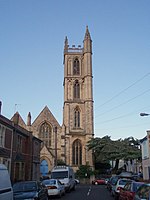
{"points": [[29, 119]]}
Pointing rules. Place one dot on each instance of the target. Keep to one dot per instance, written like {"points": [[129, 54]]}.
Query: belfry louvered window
{"points": [[76, 118], [76, 90], [77, 152], [76, 68]]}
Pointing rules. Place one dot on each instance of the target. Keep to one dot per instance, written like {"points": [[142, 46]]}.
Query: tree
{"points": [[60, 162], [105, 149], [84, 171]]}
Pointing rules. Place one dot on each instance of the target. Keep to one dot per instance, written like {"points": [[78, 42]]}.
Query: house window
{"points": [[2, 135], [76, 70], [19, 171], [45, 134], [76, 118], [77, 153], [76, 90], [19, 143]]}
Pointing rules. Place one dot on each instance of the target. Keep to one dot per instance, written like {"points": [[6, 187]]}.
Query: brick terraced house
{"points": [[19, 150]]}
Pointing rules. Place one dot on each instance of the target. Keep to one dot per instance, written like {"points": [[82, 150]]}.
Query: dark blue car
{"points": [[30, 190]]}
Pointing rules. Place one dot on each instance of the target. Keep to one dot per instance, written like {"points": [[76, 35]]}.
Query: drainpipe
{"points": [[0, 107]]}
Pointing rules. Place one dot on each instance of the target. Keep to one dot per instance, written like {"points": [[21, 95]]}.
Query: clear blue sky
{"points": [[32, 34]]}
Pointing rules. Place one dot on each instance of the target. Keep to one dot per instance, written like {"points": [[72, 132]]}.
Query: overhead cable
{"points": [[125, 89], [124, 102]]}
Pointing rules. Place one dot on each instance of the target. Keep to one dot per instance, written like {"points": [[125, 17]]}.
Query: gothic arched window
{"points": [[76, 90], [77, 153], [45, 134], [76, 69], [76, 118]]}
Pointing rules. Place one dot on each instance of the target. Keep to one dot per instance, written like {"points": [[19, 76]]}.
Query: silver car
{"points": [[120, 184]]}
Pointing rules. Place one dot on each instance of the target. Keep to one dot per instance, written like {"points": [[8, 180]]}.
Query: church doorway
{"points": [[44, 168]]}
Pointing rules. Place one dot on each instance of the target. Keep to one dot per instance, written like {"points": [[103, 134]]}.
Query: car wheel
{"points": [[68, 191], [112, 193], [116, 198], [59, 195], [96, 183], [74, 188]]}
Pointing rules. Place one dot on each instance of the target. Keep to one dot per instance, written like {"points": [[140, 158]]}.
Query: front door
{"points": [[44, 168]]}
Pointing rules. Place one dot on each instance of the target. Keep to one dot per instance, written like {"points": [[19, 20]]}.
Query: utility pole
{"points": [[55, 131]]}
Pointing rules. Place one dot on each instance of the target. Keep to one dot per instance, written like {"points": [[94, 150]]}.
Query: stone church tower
{"points": [[78, 102], [67, 143]]}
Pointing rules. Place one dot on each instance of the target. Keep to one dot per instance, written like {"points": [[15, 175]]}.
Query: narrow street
{"points": [[89, 192]]}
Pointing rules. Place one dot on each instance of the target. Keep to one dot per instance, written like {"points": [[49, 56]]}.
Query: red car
{"points": [[128, 192], [99, 181]]}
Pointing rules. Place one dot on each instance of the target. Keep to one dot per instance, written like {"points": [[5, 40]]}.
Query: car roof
{"points": [[138, 182], [124, 179], [125, 174], [25, 182]]}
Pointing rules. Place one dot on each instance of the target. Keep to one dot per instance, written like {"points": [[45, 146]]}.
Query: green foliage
{"points": [[104, 149], [84, 171], [60, 162], [102, 168]]}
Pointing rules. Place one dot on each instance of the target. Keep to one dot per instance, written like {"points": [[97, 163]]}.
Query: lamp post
{"points": [[144, 114]]}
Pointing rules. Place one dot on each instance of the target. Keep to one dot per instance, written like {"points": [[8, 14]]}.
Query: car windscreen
{"points": [[123, 182], [114, 180], [59, 175], [22, 187]]}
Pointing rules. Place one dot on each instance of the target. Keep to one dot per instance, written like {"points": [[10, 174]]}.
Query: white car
{"points": [[54, 187], [120, 184]]}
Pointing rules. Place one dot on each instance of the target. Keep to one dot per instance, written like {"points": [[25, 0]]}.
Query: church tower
{"points": [[78, 102]]}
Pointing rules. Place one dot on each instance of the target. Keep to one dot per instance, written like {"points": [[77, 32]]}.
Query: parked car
{"points": [[129, 190], [125, 174], [120, 184], [143, 193], [106, 180], [137, 177], [112, 182], [30, 190], [99, 181], [54, 187]]}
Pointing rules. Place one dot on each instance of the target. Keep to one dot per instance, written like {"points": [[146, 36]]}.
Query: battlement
{"points": [[74, 49]]}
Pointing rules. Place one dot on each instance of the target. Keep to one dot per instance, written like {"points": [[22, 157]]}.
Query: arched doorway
{"points": [[44, 168]]}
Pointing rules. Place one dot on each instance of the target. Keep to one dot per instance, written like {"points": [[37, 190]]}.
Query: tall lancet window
{"points": [[45, 134], [76, 68], [77, 152], [76, 118], [76, 90]]}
